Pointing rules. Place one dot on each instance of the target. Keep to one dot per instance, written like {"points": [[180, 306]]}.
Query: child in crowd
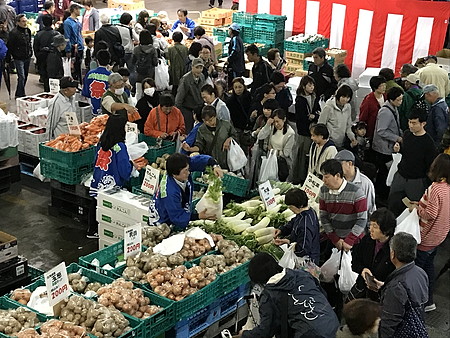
{"points": [[362, 142], [303, 229], [362, 317], [190, 138], [321, 150], [88, 52], [126, 77]]}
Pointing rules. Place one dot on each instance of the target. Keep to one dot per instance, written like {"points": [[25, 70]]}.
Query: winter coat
{"points": [[288, 142], [189, 94], [380, 265], [326, 84], [406, 283], [387, 129], [53, 67], [94, 22], [8, 16], [19, 43], [308, 312], [177, 55], [239, 107], [434, 74], [172, 203], [261, 72], [368, 112], [411, 96], [236, 61], [144, 106], [338, 121], [437, 121], [159, 122], [205, 138], [353, 84], [42, 44], [151, 60], [316, 158], [302, 112], [205, 40], [284, 98], [111, 35]]}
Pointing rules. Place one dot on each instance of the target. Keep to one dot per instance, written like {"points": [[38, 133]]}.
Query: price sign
{"points": [[72, 123], [57, 284], [54, 86], [312, 186], [151, 180], [131, 127], [132, 240], [267, 195]]}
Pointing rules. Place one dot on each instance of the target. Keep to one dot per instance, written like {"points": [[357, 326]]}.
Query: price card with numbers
{"points": [[57, 284], [54, 86], [151, 180], [267, 195], [132, 240], [72, 123], [312, 186], [131, 127]]}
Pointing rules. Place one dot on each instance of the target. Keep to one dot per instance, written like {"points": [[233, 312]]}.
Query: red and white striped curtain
{"points": [[376, 33]]}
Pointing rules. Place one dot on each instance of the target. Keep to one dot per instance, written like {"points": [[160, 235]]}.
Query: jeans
{"points": [[22, 67], [76, 74], [425, 260]]}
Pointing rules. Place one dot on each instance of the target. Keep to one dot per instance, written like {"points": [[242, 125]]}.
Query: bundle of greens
{"points": [[212, 199]]}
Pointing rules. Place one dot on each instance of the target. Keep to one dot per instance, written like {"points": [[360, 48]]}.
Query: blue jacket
{"points": [[437, 122], [3, 49], [94, 86], [172, 203], [236, 59], [189, 24], [303, 229], [72, 31], [112, 168], [190, 138]]}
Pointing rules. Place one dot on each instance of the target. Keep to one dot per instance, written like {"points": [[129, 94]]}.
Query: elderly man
{"points": [[72, 32], [413, 94], [437, 121], [111, 35], [63, 102], [7, 15], [354, 175], [433, 74], [405, 289], [115, 100]]}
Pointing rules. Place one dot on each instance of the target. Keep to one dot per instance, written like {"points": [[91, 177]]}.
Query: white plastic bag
{"points": [[409, 224], [347, 277], [396, 158], [38, 175], [269, 167], [236, 158], [212, 207], [331, 266], [67, 66], [137, 150], [289, 258], [162, 75]]}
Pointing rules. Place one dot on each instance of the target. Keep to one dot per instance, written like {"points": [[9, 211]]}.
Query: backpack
{"points": [[142, 63], [3, 50]]}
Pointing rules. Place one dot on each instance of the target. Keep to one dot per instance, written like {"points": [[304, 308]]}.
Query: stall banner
{"points": [[375, 33]]}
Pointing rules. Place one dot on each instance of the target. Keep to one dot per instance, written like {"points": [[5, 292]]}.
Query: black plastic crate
{"points": [[4, 289], [71, 197], [13, 270], [60, 206], [73, 189]]}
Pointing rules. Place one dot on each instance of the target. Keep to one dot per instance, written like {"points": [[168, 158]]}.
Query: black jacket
{"points": [[239, 108], [302, 112], [284, 98], [111, 35], [406, 283], [325, 82], [380, 265], [54, 66], [236, 59], [261, 72], [308, 312], [19, 43], [42, 44], [144, 105]]}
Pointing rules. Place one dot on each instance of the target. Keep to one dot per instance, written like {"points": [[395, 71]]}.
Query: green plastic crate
{"points": [[232, 279], [67, 159], [268, 22], [244, 19], [268, 37], [34, 273], [31, 15], [221, 33], [67, 175], [305, 47], [8, 153], [167, 147], [109, 255], [235, 185]]}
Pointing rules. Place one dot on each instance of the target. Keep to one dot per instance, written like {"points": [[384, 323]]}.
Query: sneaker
{"points": [[430, 307], [92, 235], [211, 6]]}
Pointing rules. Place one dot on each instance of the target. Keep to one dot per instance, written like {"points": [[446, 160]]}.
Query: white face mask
{"points": [[149, 91], [119, 91]]}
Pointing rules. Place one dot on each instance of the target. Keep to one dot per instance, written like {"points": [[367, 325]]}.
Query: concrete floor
{"points": [[47, 240]]}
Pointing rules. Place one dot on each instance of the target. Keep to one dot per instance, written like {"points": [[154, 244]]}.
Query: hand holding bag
{"points": [[269, 167], [330, 268], [410, 225], [347, 277], [236, 158]]}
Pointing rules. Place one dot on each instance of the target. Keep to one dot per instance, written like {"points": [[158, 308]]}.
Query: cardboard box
{"points": [[125, 203], [4, 106], [32, 139], [110, 232], [8, 247], [297, 56], [47, 97], [127, 5], [210, 21], [291, 62], [113, 218], [208, 29], [220, 13], [103, 243], [22, 135]]}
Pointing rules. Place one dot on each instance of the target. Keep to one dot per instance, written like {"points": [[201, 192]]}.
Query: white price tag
{"points": [[57, 284], [267, 195], [132, 240], [72, 123], [131, 127], [54, 86], [312, 186], [151, 180]]}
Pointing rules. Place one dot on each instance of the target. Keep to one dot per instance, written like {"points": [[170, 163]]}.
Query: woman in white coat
{"points": [[336, 115], [280, 137]]}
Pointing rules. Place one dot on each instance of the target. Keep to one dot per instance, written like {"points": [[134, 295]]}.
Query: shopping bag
{"points": [[162, 75], [330, 268], [396, 158], [137, 150], [410, 225], [67, 66], [269, 167], [213, 206], [289, 259], [236, 158], [347, 277]]}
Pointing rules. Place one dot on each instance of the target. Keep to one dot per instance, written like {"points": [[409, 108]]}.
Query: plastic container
{"points": [[8, 153], [244, 19], [68, 159], [235, 185], [64, 174], [109, 255], [230, 280], [34, 273], [268, 36], [167, 147], [267, 22]]}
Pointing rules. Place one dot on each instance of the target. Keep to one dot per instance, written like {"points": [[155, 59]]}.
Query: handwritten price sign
{"points": [[132, 240], [267, 195], [57, 284], [72, 123], [312, 186], [151, 180]]}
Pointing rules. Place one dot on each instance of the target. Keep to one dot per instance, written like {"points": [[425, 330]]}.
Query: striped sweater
{"points": [[434, 213], [343, 215]]}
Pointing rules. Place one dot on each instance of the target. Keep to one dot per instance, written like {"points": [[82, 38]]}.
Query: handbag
{"points": [[283, 169]]}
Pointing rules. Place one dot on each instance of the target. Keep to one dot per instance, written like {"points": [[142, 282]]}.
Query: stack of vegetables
{"points": [[12, 321]]}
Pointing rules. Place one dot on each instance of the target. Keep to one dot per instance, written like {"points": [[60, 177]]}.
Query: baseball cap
{"points": [[345, 155], [68, 82], [430, 88], [198, 62], [413, 78], [235, 27]]}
